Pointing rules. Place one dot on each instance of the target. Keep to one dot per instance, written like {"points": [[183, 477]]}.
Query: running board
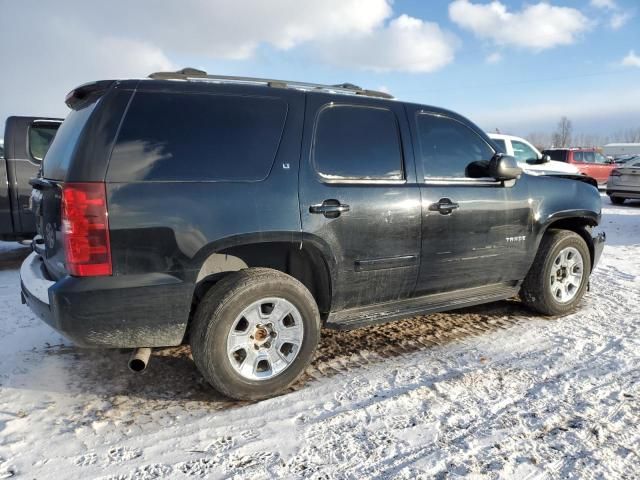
{"points": [[410, 307]]}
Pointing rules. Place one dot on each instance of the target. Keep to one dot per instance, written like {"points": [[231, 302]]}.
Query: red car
{"points": [[588, 160]]}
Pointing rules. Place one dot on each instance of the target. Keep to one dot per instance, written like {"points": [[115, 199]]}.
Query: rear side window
{"points": [[357, 143], [57, 159], [448, 147], [198, 137]]}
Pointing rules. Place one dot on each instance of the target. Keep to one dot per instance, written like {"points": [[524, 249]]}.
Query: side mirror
{"points": [[504, 167], [545, 159]]}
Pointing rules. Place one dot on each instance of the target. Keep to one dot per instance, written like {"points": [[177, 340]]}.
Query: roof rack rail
{"points": [[201, 75]]}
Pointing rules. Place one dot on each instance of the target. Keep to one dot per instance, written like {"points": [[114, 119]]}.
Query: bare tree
{"points": [[562, 135]]}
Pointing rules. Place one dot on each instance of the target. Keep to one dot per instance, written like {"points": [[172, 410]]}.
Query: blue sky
{"points": [[513, 65]]}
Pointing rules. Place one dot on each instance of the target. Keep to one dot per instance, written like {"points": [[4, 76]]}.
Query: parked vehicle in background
{"points": [[27, 140], [529, 157], [624, 182], [242, 215], [624, 159], [588, 160], [620, 149]]}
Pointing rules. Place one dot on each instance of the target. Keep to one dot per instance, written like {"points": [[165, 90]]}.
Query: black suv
{"points": [[242, 215]]}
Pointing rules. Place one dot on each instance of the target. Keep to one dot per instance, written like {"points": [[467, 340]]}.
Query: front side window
{"points": [[601, 159], [523, 152], [450, 149], [357, 143]]}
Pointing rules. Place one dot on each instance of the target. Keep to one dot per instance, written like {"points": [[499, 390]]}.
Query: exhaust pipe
{"points": [[139, 359]]}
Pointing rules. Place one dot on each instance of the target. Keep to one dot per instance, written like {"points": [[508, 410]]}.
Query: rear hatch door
{"points": [[78, 155]]}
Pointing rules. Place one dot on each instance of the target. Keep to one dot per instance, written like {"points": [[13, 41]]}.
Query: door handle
{"points": [[445, 206], [330, 208]]}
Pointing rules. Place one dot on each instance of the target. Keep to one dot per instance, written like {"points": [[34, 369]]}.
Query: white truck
{"points": [[529, 157]]}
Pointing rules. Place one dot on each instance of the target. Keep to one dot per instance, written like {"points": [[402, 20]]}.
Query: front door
{"points": [[475, 230], [359, 201]]}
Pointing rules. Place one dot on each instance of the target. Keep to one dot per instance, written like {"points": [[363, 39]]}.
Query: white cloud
{"points": [[618, 17], [606, 4], [494, 58], [406, 44], [618, 20], [53, 46], [631, 60], [537, 27]]}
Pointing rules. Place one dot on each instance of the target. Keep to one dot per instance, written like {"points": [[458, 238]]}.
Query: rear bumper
{"points": [[598, 241], [623, 192], [148, 310]]}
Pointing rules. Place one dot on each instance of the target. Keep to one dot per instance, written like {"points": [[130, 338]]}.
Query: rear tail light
{"points": [[616, 173], [86, 229]]}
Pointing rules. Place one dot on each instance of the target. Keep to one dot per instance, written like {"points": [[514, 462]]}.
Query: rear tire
{"points": [[239, 342], [560, 273], [617, 200]]}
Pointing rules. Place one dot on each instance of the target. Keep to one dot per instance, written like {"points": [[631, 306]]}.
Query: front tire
{"points": [[254, 333], [560, 273]]}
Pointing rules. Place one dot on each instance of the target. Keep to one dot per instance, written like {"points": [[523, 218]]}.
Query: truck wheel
{"points": [[559, 275], [254, 333], [617, 200]]}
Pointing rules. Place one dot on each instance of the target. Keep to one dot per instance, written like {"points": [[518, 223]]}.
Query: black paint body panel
{"points": [[388, 248]]}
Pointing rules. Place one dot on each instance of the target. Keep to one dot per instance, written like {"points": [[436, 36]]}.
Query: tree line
{"points": [[563, 136]]}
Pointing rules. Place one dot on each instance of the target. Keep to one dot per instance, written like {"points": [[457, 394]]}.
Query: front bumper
{"points": [[598, 240], [149, 310]]}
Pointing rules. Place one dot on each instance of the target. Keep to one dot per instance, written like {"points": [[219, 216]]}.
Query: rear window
{"points": [[57, 158], [198, 137]]}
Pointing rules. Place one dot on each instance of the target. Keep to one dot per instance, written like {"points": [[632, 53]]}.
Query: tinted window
{"points": [[198, 137], [502, 146], [57, 159], [40, 138], [578, 157], [557, 155], [448, 147], [356, 142], [523, 152]]}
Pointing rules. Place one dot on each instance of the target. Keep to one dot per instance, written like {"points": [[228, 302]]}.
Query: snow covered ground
{"points": [[487, 392]]}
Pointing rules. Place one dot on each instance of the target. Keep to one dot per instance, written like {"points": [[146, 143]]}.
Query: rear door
{"points": [[359, 201], [27, 140]]}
